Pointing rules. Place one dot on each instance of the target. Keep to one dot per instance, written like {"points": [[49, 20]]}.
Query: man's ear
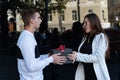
{"points": [[31, 21]]}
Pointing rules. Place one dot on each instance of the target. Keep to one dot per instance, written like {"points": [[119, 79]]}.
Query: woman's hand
{"points": [[72, 56]]}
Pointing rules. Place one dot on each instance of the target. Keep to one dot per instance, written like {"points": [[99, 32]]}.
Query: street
{"points": [[8, 67]]}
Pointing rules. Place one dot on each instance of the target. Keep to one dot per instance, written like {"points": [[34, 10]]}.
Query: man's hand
{"points": [[58, 59]]}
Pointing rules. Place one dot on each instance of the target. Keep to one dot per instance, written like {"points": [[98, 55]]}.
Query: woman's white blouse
{"points": [[99, 46]]}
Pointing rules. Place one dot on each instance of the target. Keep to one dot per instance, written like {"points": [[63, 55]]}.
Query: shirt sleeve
{"points": [[32, 63], [98, 53], [44, 56]]}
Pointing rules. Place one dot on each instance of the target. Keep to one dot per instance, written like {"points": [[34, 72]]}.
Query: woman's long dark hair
{"points": [[96, 27]]}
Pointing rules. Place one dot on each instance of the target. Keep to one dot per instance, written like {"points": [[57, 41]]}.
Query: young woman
{"points": [[92, 51]]}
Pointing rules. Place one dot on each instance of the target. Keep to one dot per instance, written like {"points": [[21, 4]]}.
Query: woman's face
{"points": [[86, 26]]}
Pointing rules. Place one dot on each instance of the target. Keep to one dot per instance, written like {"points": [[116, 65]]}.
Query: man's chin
{"points": [[37, 28]]}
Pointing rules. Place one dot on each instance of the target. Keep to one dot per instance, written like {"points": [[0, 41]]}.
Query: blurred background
{"points": [[60, 14]]}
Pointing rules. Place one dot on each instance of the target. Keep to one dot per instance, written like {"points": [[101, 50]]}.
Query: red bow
{"points": [[61, 47]]}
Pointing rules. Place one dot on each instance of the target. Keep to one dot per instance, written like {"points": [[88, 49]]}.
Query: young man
{"points": [[30, 62]]}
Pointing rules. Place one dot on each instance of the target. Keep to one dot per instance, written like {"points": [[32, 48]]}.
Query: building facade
{"points": [[114, 10], [70, 14]]}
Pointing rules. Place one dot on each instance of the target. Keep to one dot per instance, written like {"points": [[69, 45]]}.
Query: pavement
{"points": [[8, 66]]}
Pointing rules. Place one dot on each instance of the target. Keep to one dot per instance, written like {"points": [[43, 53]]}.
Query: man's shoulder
{"points": [[24, 37], [25, 34]]}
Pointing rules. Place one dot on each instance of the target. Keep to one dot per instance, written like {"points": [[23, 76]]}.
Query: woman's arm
{"points": [[99, 46]]}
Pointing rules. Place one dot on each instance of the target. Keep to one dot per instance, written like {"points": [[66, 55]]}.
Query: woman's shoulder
{"points": [[100, 35]]}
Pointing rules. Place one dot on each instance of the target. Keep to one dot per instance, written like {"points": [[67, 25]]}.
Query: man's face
{"points": [[37, 20]]}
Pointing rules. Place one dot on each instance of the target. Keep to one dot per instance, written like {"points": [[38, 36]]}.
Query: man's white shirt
{"points": [[30, 67]]}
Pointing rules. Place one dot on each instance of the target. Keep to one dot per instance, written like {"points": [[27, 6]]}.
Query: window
{"points": [[50, 16], [103, 14], [90, 11], [74, 15], [62, 29], [73, 0], [63, 16]]}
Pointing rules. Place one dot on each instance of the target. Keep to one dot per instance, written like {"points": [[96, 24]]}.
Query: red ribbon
{"points": [[61, 47]]}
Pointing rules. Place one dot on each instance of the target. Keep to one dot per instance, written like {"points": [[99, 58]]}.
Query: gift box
{"points": [[64, 52]]}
